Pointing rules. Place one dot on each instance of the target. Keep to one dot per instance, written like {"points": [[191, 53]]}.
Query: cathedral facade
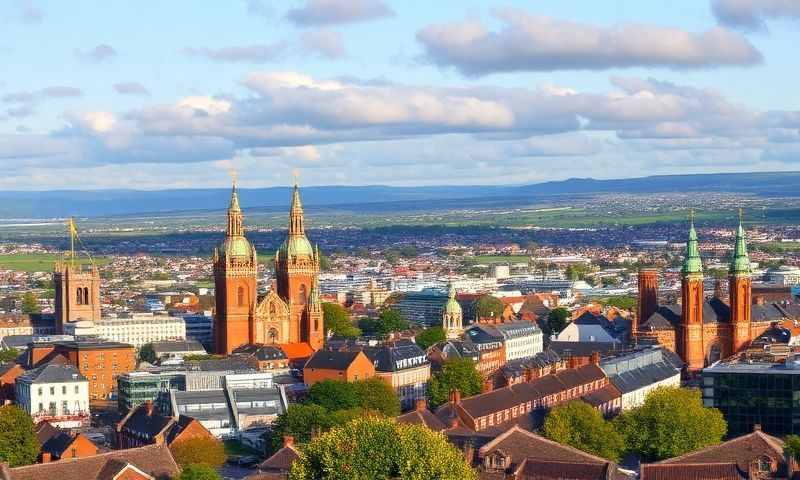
{"points": [[703, 330], [291, 312]]}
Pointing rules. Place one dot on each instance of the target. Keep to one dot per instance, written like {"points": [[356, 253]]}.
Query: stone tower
{"points": [[296, 272], [648, 297], [235, 268], [692, 300], [452, 316], [77, 287], [740, 291]]}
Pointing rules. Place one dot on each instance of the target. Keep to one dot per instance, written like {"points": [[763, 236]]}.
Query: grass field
{"points": [[39, 262]]}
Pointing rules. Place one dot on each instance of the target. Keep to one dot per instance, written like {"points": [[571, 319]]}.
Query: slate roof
{"points": [[518, 366], [605, 395], [150, 425], [639, 369], [581, 349], [53, 373], [177, 346], [332, 360], [281, 461], [155, 460], [423, 417], [389, 356], [714, 311], [261, 352], [532, 469]]}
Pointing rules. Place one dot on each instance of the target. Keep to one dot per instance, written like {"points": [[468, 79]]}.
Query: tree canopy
{"points": [[373, 448], [388, 321], [301, 420], [199, 472], [30, 304], [579, 425], [199, 451], [18, 443], [147, 354], [791, 447], [488, 306], [671, 422], [458, 373], [371, 394], [337, 320], [430, 337], [556, 320], [8, 354]]}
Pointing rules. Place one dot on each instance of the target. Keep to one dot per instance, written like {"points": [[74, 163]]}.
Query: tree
{"points": [[488, 307], [324, 262], [577, 271], [626, 302], [392, 256], [671, 422], [557, 320], [579, 425], [302, 420], [18, 443], [30, 304], [372, 394], [8, 355], [333, 395], [199, 472], [791, 447], [337, 320], [456, 373], [430, 336], [375, 448], [388, 321], [199, 451], [147, 354]]}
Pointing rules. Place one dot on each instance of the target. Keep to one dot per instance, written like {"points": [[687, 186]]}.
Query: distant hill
{"points": [[100, 203]]}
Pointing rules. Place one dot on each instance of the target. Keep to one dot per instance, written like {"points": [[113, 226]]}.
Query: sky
{"points": [[179, 94]]}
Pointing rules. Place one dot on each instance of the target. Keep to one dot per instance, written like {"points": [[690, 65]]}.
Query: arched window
{"points": [[302, 295], [86, 298], [79, 296], [240, 297], [272, 310], [273, 335]]}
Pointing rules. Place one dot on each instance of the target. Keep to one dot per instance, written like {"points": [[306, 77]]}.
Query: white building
{"points": [[637, 374], [136, 330], [56, 393], [784, 276], [522, 339]]}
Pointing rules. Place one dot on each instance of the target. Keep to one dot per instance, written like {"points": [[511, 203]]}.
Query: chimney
{"points": [[760, 300], [46, 457], [288, 441], [756, 427], [455, 396], [595, 358], [421, 405], [148, 405], [454, 421]]}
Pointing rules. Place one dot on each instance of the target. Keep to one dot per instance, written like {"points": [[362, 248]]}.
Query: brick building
{"points": [[338, 365], [144, 426], [57, 444]]}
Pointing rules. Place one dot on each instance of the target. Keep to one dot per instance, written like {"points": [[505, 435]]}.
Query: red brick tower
{"points": [[235, 292], [692, 299], [648, 297], [740, 291], [296, 271], [77, 287]]}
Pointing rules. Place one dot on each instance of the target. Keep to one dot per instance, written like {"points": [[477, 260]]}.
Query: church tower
{"points": [[452, 316], [740, 291], [235, 291], [692, 300], [77, 287], [648, 297], [296, 272]]}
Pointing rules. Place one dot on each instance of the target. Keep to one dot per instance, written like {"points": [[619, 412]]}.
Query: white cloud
{"points": [[325, 43], [263, 53], [332, 12], [753, 14]]}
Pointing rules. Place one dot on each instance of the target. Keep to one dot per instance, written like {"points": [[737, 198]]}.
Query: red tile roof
{"points": [[691, 471]]}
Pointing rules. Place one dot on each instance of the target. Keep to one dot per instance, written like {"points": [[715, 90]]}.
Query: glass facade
{"points": [[135, 389], [770, 398]]}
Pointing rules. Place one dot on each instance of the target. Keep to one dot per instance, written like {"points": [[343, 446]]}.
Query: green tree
{"points": [[791, 447], [388, 321], [199, 472], [301, 421], [457, 373], [409, 251], [324, 262], [626, 302], [392, 256], [147, 354], [374, 448], [671, 422], [30, 304], [333, 395], [579, 425], [430, 336], [556, 320], [488, 306], [8, 355], [577, 271], [376, 395], [18, 443], [199, 451], [337, 320]]}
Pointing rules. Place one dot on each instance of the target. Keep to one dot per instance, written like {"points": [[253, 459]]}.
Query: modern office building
{"points": [[424, 307], [200, 327], [135, 388]]}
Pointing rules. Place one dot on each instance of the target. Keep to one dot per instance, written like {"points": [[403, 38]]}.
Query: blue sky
{"points": [[176, 94]]}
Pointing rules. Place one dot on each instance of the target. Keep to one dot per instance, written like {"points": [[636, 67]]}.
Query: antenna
{"points": [[691, 216], [741, 215], [73, 232], [232, 172], [296, 176]]}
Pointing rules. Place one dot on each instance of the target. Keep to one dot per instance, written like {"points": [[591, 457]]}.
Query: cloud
{"points": [[259, 8], [753, 14], [249, 54], [335, 12], [131, 88], [325, 43], [61, 92], [29, 12], [98, 54], [538, 43], [565, 145]]}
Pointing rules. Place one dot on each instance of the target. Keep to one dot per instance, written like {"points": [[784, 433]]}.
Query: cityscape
{"points": [[369, 239]]}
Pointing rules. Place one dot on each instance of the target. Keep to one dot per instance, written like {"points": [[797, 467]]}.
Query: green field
{"points": [[39, 262]]}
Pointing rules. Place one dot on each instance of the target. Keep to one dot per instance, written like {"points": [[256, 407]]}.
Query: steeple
{"points": [[740, 263], [235, 217], [296, 214], [692, 263]]}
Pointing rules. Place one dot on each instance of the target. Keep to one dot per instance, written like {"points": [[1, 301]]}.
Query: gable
{"points": [[272, 306]]}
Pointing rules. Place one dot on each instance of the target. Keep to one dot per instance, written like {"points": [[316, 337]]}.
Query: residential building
{"points": [[8, 377], [637, 374], [443, 351], [526, 369], [520, 339], [280, 463], [263, 357], [200, 328], [338, 365], [588, 327], [404, 366], [137, 329], [26, 324], [54, 392], [153, 462], [57, 444], [177, 349], [143, 425]]}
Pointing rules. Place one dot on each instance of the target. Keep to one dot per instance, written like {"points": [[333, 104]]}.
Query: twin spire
{"points": [[740, 262], [235, 217], [296, 227]]}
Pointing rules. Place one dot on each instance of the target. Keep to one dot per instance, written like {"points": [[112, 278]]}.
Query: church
{"points": [[704, 330], [291, 312]]}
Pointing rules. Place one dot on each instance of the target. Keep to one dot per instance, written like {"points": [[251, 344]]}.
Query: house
{"points": [[520, 338], [753, 456], [590, 327], [56, 444], [153, 462], [450, 349], [338, 365], [422, 416], [144, 426], [280, 463], [403, 365], [8, 377], [517, 454], [54, 392], [263, 357]]}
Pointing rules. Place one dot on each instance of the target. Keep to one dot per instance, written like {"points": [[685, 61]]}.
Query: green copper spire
{"points": [[740, 263], [692, 262]]}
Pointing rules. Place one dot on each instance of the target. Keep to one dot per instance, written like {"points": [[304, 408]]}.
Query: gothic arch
{"points": [[714, 352]]}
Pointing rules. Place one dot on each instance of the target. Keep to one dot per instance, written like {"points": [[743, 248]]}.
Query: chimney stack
{"points": [[455, 396], [595, 358], [421, 405], [148, 405], [288, 441], [46, 457]]}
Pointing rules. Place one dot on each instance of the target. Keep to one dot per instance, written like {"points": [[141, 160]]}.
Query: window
{"points": [[40, 390], [240, 296], [79, 296], [302, 295], [64, 389], [52, 390], [77, 389], [86, 299], [41, 407]]}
